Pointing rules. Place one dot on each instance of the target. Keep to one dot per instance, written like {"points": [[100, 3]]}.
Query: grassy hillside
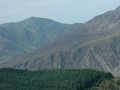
{"points": [[11, 79]]}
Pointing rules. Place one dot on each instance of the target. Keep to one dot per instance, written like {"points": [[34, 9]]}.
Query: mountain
{"points": [[28, 35], [94, 45]]}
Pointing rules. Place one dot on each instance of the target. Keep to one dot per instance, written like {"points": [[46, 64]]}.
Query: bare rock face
{"points": [[93, 45]]}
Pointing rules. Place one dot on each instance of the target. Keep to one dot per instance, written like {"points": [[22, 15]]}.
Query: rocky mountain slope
{"points": [[100, 54], [94, 45]]}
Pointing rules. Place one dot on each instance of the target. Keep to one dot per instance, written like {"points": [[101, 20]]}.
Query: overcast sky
{"points": [[65, 11]]}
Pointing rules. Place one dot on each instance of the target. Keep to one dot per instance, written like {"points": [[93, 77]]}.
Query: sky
{"points": [[64, 11]]}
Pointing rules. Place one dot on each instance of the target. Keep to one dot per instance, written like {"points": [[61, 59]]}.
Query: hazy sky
{"points": [[65, 11]]}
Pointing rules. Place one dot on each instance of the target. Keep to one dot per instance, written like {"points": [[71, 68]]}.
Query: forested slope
{"points": [[11, 79]]}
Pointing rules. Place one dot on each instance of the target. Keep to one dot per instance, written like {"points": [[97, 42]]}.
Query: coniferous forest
{"points": [[11, 79]]}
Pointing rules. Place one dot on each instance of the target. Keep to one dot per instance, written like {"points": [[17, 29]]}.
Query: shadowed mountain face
{"points": [[30, 34], [94, 45]]}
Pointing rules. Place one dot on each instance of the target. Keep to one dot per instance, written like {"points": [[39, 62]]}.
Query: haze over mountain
{"points": [[94, 44]]}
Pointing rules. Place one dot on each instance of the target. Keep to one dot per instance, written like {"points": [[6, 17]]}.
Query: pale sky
{"points": [[64, 11]]}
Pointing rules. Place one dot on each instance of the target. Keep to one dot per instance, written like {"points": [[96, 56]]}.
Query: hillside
{"points": [[30, 34], [94, 45], [11, 79]]}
